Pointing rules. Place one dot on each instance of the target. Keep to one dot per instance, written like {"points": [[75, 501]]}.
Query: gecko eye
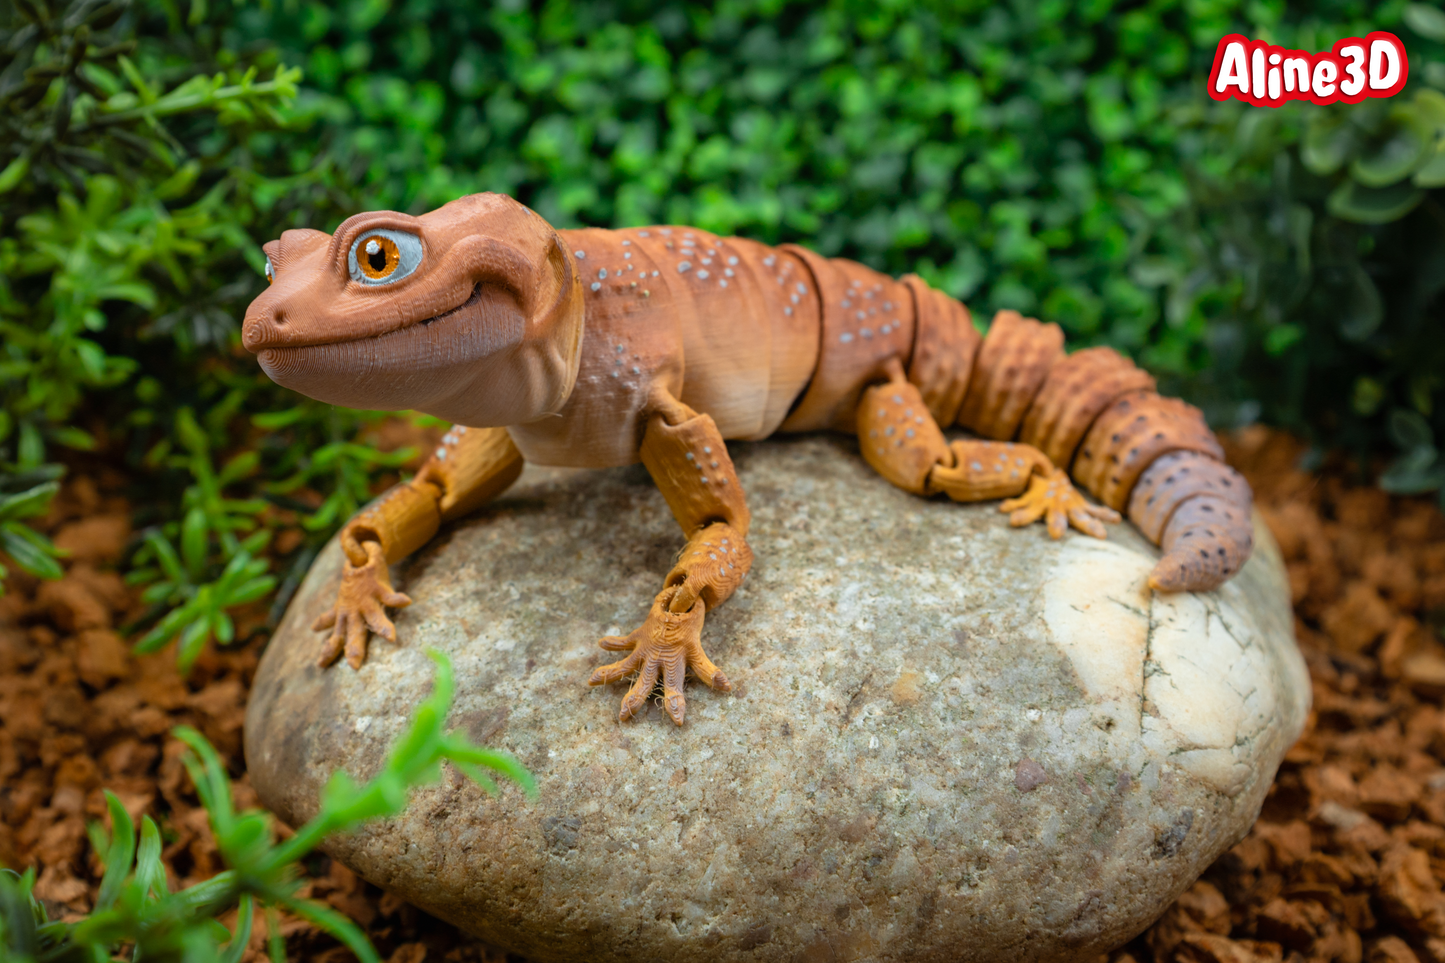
{"points": [[381, 256], [270, 272]]}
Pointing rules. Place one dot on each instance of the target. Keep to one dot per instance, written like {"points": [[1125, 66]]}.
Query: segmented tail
{"points": [[1135, 450]]}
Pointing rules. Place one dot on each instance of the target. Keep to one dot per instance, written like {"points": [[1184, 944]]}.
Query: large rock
{"points": [[948, 739]]}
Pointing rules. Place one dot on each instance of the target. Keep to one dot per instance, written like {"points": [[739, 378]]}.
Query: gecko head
{"points": [[472, 313]]}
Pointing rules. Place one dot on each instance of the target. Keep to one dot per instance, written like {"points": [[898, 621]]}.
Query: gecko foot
{"points": [[668, 644], [365, 589], [1052, 496]]}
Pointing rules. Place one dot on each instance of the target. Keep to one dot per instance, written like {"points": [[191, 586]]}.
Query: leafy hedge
{"points": [[138, 170]]}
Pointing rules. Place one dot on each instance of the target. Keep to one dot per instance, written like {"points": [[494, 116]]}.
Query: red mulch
{"points": [[1345, 864]]}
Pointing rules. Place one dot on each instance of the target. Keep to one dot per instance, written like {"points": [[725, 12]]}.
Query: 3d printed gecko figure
{"points": [[596, 348]]}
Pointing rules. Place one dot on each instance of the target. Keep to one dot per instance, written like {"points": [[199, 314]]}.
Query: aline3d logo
{"points": [[1269, 76]]}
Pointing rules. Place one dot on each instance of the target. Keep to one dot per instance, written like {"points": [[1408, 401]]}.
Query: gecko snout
{"points": [[293, 265], [261, 328]]}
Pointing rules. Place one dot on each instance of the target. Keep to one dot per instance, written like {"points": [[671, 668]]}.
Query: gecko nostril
{"points": [[258, 331]]}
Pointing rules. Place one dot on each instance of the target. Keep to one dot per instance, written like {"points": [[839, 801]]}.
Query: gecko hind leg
{"points": [[903, 443]]}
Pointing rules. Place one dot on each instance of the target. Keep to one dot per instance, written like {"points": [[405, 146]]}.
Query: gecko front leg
{"points": [[685, 455], [471, 466]]}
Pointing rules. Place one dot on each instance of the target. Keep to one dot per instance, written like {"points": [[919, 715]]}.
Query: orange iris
{"points": [[377, 256]]}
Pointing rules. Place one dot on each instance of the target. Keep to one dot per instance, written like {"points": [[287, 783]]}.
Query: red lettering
{"points": [[1268, 76]]}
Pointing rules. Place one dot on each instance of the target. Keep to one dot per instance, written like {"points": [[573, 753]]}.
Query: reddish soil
{"points": [[1345, 864]]}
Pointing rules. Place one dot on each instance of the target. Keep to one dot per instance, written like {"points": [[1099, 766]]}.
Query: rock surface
{"points": [[948, 739]]}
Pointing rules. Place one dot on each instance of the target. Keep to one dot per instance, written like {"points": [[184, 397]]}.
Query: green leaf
{"points": [[193, 640], [224, 627], [1414, 473], [463, 753], [1432, 172], [1370, 205], [1426, 20], [150, 872], [1358, 309], [165, 555], [121, 853], [1328, 142], [238, 467], [326, 918], [92, 358], [275, 420], [1280, 339], [1366, 398], [190, 433], [275, 942], [1406, 146], [30, 452], [30, 557], [251, 590], [165, 630], [195, 538], [18, 920], [245, 916], [1428, 107], [30, 503], [1409, 430], [14, 173], [476, 775], [207, 772], [72, 437]]}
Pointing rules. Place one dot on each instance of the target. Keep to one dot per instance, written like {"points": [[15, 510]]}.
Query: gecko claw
{"points": [[666, 647], [1053, 498], [359, 610]]}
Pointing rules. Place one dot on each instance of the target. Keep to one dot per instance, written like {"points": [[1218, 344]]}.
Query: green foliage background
{"points": [[1057, 157]]}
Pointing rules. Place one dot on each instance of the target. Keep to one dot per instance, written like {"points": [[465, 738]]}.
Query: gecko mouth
{"points": [[271, 336], [472, 299], [403, 367]]}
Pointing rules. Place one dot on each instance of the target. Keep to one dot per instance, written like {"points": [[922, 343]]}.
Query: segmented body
{"points": [[769, 340]]}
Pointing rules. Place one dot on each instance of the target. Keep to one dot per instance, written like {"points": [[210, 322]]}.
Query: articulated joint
{"points": [[690, 464], [403, 521]]}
